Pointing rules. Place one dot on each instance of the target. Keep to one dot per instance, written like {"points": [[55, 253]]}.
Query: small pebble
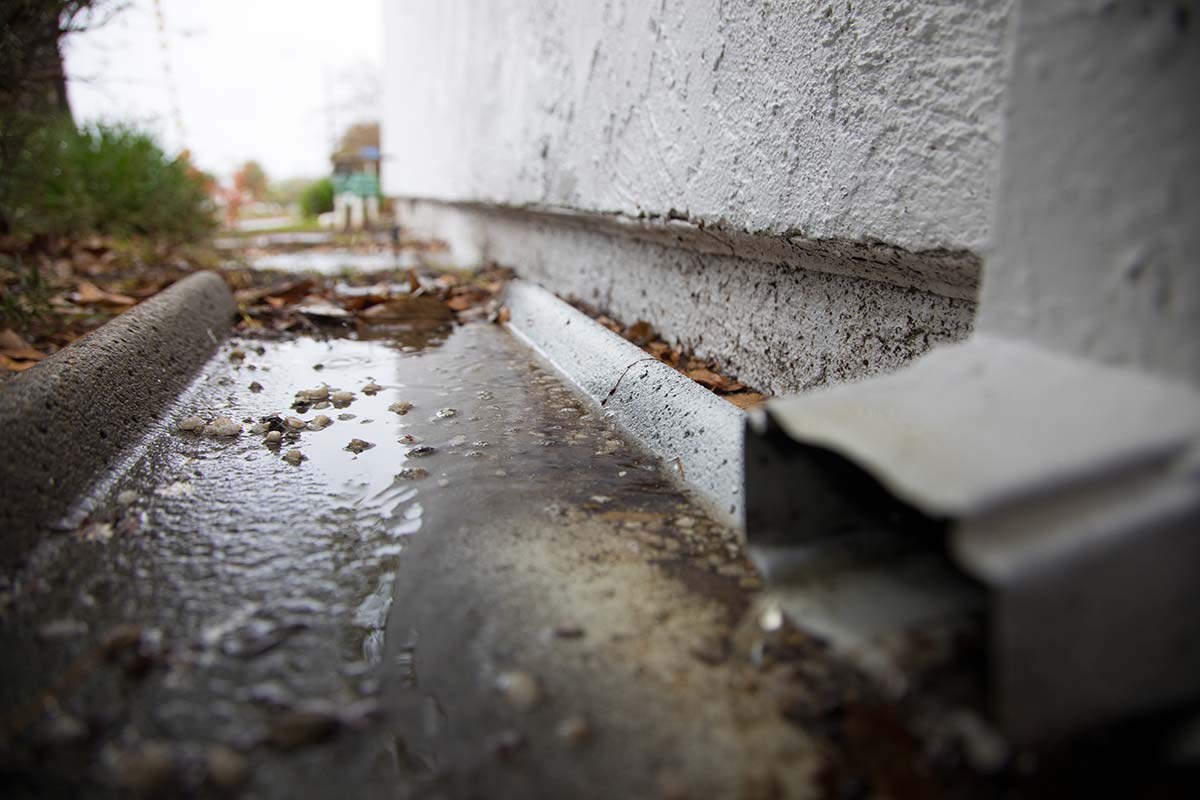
{"points": [[295, 423], [358, 445], [60, 728], [574, 730], [319, 393], [371, 388], [147, 770], [412, 473], [346, 417], [191, 424], [273, 437], [299, 728], [237, 354], [421, 450], [400, 407], [341, 399], [519, 688], [320, 421], [127, 497], [256, 387], [685, 522], [446, 413], [569, 631], [293, 457], [227, 769], [62, 629], [222, 426]]}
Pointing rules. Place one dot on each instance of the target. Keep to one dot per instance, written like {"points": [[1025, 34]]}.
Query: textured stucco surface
{"points": [[865, 121], [66, 420], [1096, 232], [776, 328]]}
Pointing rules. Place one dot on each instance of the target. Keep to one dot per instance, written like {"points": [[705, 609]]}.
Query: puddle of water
{"points": [[331, 262], [267, 580]]}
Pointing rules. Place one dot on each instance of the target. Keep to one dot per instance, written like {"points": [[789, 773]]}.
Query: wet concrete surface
{"points": [[490, 593], [224, 620]]}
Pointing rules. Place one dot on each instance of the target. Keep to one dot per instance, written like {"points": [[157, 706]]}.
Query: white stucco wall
{"points": [[869, 120], [1098, 215]]}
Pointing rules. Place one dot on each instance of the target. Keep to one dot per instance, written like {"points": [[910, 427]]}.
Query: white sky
{"points": [[254, 77]]}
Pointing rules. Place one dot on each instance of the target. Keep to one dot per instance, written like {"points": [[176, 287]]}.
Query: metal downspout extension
{"points": [[1069, 491]]}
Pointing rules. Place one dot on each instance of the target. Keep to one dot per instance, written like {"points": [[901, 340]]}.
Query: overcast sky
{"points": [[253, 78]]}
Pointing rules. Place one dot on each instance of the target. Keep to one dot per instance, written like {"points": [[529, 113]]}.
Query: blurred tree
{"points": [[33, 88], [317, 198], [253, 180], [358, 136]]}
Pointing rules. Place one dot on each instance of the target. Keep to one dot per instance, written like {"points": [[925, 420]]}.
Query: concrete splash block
{"points": [[697, 435], [66, 420]]}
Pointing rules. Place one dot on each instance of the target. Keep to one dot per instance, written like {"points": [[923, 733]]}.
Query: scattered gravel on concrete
{"points": [[299, 728], [412, 473], [223, 426], [519, 689], [574, 730], [226, 768]]}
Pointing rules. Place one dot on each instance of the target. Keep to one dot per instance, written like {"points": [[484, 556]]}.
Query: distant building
{"points": [[356, 189]]}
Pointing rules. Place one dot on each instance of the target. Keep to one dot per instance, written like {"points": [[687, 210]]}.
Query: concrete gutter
{"points": [[64, 422], [696, 434]]}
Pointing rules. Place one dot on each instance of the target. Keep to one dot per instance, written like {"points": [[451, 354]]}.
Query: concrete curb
{"points": [[697, 434], [66, 420]]}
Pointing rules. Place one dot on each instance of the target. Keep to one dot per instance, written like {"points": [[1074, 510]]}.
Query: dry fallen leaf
{"points": [[89, 294], [745, 400], [403, 309], [10, 340], [15, 366], [640, 333]]}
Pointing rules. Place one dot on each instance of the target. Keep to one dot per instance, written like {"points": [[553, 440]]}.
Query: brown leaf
{"points": [[404, 309], [317, 306], [22, 353], [89, 294], [706, 378], [745, 400], [15, 366], [11, 340], [503, 315], [640, 333]]}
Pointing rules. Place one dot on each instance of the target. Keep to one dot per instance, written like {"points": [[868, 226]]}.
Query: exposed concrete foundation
{"points": [[794, 316]]}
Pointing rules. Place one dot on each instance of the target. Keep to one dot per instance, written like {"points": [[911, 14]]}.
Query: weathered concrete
{"points": [[1096, 218], [697, 435], [871, 121], [66, 420], [777, 328]]}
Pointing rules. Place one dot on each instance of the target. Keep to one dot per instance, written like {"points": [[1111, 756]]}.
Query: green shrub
{"points": [[106, 179], [317, 198]]}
